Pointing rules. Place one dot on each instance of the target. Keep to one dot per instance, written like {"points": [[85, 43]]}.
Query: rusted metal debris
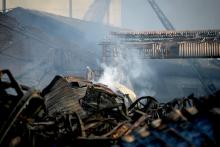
{"points": [[73, 111]]}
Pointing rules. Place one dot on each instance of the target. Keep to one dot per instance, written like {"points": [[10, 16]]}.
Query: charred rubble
{"points": [[73, 111]]}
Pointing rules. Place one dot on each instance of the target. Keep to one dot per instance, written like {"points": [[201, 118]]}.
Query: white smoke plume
{"points": [[131, 70]]}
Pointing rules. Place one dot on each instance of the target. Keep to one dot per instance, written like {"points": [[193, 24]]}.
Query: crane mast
{"points": [[162, 17], [209, 87]]}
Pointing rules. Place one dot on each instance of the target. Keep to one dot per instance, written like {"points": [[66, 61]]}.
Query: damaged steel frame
{"points": [[74, 111]]}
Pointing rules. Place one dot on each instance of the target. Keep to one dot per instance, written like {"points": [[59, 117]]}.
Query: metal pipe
{"points": [[153, 48], [3, 6], [180, 49], [206, 50], [202, 48], [210, 46], [190, 49], [197, 49], [184, 51], [216, 47], [210, 49], [194, 49], [70, 9], [219, 49], [213, 49], [187, 54]]}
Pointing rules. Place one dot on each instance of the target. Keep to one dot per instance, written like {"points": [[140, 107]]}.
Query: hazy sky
{"points": [[138, 15], [194, 13], [184, 14]]}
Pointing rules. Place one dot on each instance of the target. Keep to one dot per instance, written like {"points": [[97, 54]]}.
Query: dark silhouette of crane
{"points": [[163, 19], [207, 84]]}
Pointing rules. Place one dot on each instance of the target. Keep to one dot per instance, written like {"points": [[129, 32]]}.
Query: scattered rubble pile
{"points": [[73, 111]]}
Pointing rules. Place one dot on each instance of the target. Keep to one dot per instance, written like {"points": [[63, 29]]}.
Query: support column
{"points": [[4, 6], [70, 9]]}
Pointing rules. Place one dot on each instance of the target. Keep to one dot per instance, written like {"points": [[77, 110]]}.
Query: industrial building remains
{"points": [[72, 111], [167, 44], [80, 78]]}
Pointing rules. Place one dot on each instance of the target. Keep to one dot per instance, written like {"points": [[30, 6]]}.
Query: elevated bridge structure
{"points": [[165, 44]]}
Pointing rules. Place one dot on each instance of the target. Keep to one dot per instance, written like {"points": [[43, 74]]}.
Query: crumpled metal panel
{"points": [[62, 95], [72, 111]]}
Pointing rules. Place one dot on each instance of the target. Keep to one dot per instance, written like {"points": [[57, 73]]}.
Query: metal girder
{"points": [[163, 19], [166, 36], [209, 87]]}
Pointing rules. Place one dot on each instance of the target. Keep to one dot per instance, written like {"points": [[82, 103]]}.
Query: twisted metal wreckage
{"points": [[73, 111]]}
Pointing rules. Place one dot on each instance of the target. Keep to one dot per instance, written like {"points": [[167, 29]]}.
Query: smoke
{"points": [[130, 69]]}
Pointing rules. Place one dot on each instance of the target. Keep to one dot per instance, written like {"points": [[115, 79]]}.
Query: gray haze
{"points": [[184, 14], [72, 45], [138, 15]]}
